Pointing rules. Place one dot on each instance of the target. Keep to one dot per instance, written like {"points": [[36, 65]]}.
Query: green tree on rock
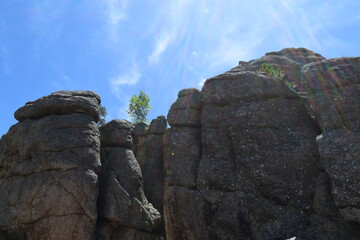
{"points": [[139, 107], [103, 113]]}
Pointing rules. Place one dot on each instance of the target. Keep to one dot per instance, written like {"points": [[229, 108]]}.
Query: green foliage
{"points": [[103, 114], [272, 70], [275, 72], [139, 107], [290, 84]]}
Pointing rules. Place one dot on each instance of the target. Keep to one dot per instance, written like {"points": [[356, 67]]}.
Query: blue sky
{"points": [[119, 47]]}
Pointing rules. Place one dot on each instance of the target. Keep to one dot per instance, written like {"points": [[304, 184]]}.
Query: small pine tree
{"points": [[103, 114], [139, 107]]}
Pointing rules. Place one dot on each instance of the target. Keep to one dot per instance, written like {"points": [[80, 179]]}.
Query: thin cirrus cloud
{"points": [[116, 14], [161, 44], [174, 15], [130, 78]]}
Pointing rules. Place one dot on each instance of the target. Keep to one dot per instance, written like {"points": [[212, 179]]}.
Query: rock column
{"points": [[258, 166], [182, 153], [124, 211], [139, 141], [150, 154], [49, 165]]}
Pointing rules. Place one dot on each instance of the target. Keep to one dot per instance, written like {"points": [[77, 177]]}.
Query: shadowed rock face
{"points": [[333, 86], [150, 157], [49, 170], [140, 141], [124, 211]]}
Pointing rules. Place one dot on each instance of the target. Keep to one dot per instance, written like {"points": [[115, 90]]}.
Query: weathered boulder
{"points": [[61, 103], [185, 112], [157, 126], [49, 171], [117, 133]]}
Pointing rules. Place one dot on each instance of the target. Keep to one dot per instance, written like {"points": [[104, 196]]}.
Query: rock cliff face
{"points": [[255, 158], [123, 208], [260, 173], [49, 166], [150, 156], [244, 158], [333, 87]]}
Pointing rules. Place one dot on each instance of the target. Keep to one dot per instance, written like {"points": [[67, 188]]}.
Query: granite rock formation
{"points": [[150, 155], [291, 60], [259, 173], [49, 165], [182, 143], [122, 206], [258, 156], [333, 87], [246, 157]]}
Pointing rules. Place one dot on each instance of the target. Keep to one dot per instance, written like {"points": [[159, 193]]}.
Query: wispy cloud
{"points": [[230, 51], [130, 78], [116, 14], [161, 43], [175, 15]]}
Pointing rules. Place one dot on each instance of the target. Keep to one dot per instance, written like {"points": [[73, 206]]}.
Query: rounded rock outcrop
{"points": [[61, 103], [117, 133], [186, 110]]}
